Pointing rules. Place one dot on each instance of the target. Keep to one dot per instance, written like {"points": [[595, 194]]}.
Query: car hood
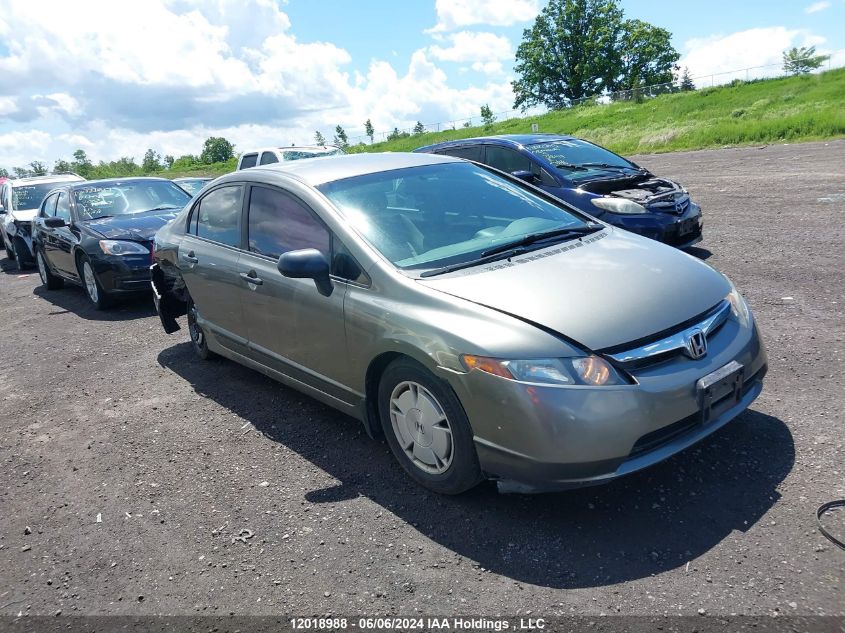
{"points": [[610, 289], [134, 226], [23, 215]]}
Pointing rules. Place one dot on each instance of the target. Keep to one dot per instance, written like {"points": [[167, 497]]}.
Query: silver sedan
{"points": [[485, 328]]}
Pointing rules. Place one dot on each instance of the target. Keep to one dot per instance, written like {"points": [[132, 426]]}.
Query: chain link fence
{"points": [[740, 75]]}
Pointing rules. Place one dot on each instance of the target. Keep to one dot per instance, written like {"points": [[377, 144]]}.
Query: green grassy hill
{"points": [[801, 108]]}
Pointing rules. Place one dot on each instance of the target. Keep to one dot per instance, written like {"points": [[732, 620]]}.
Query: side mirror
{"points": [[307, 263], [54, 223], [524, 174]]}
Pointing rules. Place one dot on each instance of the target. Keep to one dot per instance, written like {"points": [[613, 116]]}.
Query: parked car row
{"points": [[474, 316]]}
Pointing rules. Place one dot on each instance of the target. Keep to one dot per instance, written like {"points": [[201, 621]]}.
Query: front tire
{"points": [[427, 429], [93, 289], [47, 278], [21, 253]]}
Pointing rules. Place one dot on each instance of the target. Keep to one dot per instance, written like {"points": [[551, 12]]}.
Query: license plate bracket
{"points": [[720, 390]]}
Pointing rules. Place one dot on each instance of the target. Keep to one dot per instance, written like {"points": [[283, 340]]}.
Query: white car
{"points": [[20, 200], [268, 155]]}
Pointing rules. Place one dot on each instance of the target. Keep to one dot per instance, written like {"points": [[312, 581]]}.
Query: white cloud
{"points": [[817, 6], [454, 14], [725, 57], [117, 78], [467, 46]]}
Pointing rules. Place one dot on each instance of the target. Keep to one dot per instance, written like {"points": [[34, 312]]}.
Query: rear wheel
{"points": [[93, 289], [427, 429], [198, 339], [47, 278]]}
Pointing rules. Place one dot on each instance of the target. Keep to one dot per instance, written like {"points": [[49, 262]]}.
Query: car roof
{"points": [[116, 181], [34, 180], [499, 139], [317, 171], [185, 178]]}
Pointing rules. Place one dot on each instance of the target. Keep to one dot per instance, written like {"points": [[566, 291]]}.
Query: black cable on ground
{"points": [[821, 512]]}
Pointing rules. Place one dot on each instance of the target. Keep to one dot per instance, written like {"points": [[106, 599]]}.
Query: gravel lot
{"points": [[133, 465]]}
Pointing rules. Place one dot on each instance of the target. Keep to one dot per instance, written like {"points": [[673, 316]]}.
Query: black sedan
{"points": [[99, 234]]}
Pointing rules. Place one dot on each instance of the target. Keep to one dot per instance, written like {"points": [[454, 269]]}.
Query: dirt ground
{"points": [[127, 466]]}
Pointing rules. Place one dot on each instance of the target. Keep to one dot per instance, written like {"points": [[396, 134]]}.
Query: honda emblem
{"points": [[696, 344]]}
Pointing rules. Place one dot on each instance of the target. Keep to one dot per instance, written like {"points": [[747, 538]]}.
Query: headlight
{"points": [[739, 307], [122, 247], [585, 370], [619, 205]]}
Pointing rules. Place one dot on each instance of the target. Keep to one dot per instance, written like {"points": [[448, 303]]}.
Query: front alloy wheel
{"points": [[93, 288]]}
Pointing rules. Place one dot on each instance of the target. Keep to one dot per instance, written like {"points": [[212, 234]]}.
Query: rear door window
{"points": [[248, 160], [278, 222], [268, 157], [507, 160], [217, 216]]}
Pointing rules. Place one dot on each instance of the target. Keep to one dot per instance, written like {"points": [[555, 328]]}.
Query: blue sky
{"points": [[115, 78]]}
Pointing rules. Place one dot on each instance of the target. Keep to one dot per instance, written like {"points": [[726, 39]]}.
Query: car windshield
{"points": [[192, 186], [291, 154], [122, 198], [31, 196], [566, 153], [439, 215]]}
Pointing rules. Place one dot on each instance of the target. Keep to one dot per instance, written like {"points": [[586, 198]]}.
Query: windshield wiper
{"points": [[515, 248], [570, 166], [162, 208], [608, 166], [532, 238], [100, 217]]}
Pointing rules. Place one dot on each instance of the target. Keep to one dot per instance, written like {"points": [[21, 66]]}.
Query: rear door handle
{"points": [[251, 279]]}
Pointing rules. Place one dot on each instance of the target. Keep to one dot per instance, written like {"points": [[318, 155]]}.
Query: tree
{"points": [[687, 83], [487, 117], [21, 172], [37, 168], [340, 138], [168, 161], [648, 57], [61, 166], [419, 128], [81, 164], [582, 48], [368, 130], [151, 162], [3, 173], [800, 61], [217, 149], [571, 51], [468, 123], [319, 138], [395, 134]]}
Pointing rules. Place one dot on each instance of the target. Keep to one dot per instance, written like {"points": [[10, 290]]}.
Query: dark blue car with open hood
{"points": [[99, 234], [592, 179]]}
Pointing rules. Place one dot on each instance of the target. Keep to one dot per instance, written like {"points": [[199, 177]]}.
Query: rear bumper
{"points": [[168, 305]]}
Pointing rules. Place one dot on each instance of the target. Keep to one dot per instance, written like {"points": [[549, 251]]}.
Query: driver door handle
{"points": [[251, 278], [190, 257]]}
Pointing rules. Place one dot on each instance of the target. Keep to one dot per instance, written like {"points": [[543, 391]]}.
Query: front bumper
{"points": [[124, 274], [535, 438], [681, 231]]}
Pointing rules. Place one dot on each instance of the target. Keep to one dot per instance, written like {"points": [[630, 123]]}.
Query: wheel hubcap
{"points": [[421, 427], [90, 282], [42, 270]]}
